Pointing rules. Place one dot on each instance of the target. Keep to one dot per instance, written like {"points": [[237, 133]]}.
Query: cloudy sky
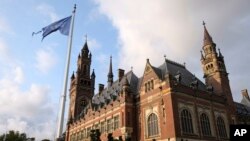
{"points": [[31, 71]]}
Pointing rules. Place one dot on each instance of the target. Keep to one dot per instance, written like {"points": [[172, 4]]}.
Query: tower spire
{"points": [[85, 49], [110, 74], [207, 38]]}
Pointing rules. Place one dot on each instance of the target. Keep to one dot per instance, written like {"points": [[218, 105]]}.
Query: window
{"points": [[88, 131], [186, 122], [205, 125], [84, 133], [102, 127], [97, 126], [146, 87], [116, 122], [110, 125], [221, 127], [152, 125], [152, 84]]}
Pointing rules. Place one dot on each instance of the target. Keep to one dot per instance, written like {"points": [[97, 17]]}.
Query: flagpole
{"points": [[66, 73]]}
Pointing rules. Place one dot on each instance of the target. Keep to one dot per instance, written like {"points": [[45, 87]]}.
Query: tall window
{"points": [[110, 125], [153, 125], [148, 86], [221, 127], [186, 122], [116, 122], [205, 125], [152, 84], [102, 127], [88, 131]]}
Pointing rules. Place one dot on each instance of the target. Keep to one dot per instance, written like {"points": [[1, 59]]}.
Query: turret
{"points": [[214, 69]]}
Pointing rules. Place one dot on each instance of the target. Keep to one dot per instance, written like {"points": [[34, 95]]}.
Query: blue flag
{"points": [[62, 25]]}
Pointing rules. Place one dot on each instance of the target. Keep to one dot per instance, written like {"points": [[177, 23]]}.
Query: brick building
{"points": [[167, 103]]}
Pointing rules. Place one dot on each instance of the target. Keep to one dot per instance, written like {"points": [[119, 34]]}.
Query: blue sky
{"points": [[31, 72]]}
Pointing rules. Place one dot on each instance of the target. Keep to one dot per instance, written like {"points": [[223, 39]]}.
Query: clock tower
{"points": [[82, 84]]}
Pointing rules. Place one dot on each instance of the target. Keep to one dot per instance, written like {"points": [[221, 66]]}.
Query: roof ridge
{"points": [[175, 63]]}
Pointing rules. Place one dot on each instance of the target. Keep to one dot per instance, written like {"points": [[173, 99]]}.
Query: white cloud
{"points": [[48, 11], [28, 111], [150, 29], [18, 75], [45, 59]]}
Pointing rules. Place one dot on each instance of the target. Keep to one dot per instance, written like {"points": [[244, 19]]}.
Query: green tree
{"points": [[14, 136], [110, 137], [95, 135]]}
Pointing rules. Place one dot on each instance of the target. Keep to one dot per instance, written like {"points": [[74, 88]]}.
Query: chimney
{"points": [[245, 94], [120, 74], [101, 87]]}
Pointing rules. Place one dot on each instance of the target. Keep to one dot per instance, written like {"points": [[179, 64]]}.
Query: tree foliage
{"points": [[14, 136]]}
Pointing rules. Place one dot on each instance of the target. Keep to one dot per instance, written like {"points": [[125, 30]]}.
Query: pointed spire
{"points": [[110, 74], [220, 55], [207, 38], [202, 57], [93, 74], [85, 49], [73, 76]]}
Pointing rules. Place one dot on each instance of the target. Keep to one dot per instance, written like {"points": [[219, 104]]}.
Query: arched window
{"points": [[205, 125], [153, 125], [146, 88], [221, 127], [186, 122]]}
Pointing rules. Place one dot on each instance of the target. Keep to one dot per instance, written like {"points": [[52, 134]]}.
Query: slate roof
{"points": [[172, 68], [242, 109], [114, 90]]}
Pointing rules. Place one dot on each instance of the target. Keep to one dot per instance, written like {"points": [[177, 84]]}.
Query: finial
{"points": [[165, 56], [184, 64], [86, 37], [74, 8], [203, 23], [131, 68]]}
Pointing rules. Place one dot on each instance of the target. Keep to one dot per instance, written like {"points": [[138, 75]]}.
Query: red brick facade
{"points": [[168, 103]]}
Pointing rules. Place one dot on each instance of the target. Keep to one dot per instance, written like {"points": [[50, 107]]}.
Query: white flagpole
{"points": [[66, 73]]}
